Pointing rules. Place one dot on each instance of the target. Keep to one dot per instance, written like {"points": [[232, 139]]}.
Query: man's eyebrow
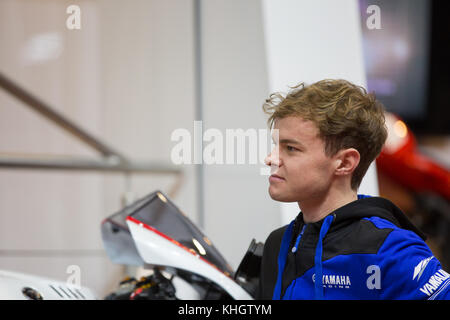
{"points": [[290, 141]]}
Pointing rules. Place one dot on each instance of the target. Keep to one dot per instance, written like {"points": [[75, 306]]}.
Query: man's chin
{"points": [[278, 196]]}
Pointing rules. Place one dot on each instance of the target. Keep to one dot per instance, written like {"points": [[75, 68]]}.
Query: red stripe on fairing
{"points": [[159, 233]]}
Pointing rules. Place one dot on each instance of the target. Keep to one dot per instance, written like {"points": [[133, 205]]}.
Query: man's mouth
{"points": [[275, 178]]}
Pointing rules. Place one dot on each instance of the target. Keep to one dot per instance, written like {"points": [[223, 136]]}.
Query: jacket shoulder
{"points": [[275, 237], [269, 263]]}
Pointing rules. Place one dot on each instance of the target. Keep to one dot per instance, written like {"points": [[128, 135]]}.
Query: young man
{"points": [[341, 245]]}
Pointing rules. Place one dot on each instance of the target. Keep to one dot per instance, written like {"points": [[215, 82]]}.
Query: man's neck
{"points": [[317, 209]]}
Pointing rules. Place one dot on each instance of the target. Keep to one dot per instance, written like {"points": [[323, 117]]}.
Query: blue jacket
{"points": [[366, 249]]}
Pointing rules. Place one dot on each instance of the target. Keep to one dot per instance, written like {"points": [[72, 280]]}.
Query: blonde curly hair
{"points": [[345, 114]]}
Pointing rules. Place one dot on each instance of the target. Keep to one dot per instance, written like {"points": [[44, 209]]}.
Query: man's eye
{"points": [[290, 148]]}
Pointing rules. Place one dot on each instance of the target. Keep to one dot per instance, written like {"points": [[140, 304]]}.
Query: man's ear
{"points": [[347, 161]]}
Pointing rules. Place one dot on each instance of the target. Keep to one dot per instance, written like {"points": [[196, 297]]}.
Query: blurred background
{"points": [[87, 114]]}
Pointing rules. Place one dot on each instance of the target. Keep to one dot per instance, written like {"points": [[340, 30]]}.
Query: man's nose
{"points": [[273, 158]]}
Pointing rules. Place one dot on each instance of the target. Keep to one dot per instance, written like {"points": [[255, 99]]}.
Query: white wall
{"points": [[237, 204]]}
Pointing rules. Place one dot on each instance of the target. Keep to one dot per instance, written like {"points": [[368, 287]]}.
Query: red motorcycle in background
{"points": [[427, 181]]}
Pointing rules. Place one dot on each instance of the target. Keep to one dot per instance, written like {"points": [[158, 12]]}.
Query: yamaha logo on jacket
{"points": [[366, 249]]}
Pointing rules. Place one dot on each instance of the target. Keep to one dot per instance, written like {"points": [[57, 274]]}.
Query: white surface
{"points": [[307, 41], [12, 283], [183, 290], [156, 250], [237, 204]]}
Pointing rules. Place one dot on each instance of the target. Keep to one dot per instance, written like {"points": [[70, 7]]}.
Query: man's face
{"points": [[300, 170]]}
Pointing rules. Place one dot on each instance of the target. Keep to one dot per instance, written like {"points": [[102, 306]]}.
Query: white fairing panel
{"points": [[14, 286], [156, 249]]}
